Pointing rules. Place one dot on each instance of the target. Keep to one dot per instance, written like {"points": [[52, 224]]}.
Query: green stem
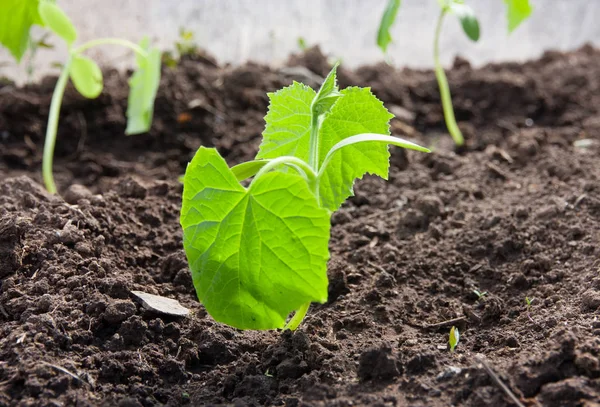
{"points": [[444, 88], [52, 128], [110, 41], [298, 317], [295, 161], [313, 152]]}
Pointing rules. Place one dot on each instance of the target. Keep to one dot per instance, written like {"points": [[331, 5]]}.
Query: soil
{"points": [[515, 214]]}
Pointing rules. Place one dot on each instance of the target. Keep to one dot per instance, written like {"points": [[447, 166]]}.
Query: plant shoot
{"points": [[259, 253]]}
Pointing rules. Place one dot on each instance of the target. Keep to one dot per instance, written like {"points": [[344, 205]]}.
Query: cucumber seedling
{"points": [[259, 253], [83, 72], [470, 26], [517, 12]]}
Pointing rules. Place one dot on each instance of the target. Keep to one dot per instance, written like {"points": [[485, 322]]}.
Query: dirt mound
{"points": [[515, 214]]}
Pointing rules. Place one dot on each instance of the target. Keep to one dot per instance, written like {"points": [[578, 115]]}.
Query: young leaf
{"points": [[358, 111], [287, 130], [517, 11], [56, 20], [467, 18], [384, 38], [143, 87], [327, 95], [16, 18], [256, 254], [86, 76]]}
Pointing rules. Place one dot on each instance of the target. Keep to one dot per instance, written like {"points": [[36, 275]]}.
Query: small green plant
{"points": [[302, 45], [529, 301], [480, 295], [517, 12], [184, 46], [453, 338], [259, 253], [83, 72]]}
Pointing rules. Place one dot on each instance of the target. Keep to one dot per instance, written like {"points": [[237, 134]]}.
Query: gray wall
{"points": [[267, 30]]}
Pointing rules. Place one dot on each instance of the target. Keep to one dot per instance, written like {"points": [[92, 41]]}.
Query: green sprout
{"points": [[528, 302], [259, 253], [83, 72], [480, 295], [302, 44], [470, 26], [453, 338], [184, 46]]}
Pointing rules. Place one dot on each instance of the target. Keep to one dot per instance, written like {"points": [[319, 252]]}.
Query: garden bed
{"points": [[516, 214]]}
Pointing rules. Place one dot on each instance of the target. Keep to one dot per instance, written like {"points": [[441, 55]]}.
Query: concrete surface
{"points": [[268, 30]]}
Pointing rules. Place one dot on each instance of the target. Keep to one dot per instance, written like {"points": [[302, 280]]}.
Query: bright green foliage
{"points": [[453, 338], [287, 131], [86, 76], [143, 87], [470, 26], [256, 254], [517, 11], [16, 18], [357, 112], [384, 38], [347, 113], [57, 21], [259, 253], [467, 18]]}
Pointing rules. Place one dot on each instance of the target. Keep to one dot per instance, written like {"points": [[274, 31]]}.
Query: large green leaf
{"points": [[16, 18], [256, 254], [56, 20], [143, 87], [517, 11], [86, 76], [384, 38]]}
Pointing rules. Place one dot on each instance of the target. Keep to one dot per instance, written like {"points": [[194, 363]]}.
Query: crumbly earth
{"points": [[515, 214]]}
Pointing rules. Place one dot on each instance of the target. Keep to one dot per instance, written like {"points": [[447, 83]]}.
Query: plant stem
{"points": [[313, 151], [110, 41], [289, 160], [51, 130], [297, 318], [444, 88]]}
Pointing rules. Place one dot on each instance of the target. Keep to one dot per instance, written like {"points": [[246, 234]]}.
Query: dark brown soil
{"points": [[516, 214]]}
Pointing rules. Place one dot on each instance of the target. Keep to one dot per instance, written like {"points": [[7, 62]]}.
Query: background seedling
{"points": [[184, 46], [259, 253], [480, 295], [470, 26], [453, 338], [517, 12], [83, 72], [528, 302]]}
